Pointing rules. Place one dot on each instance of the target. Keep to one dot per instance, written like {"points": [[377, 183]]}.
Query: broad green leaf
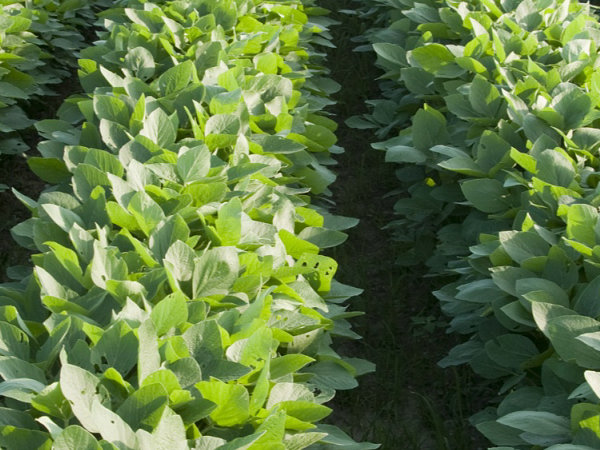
{"points": [[572, 103], [168, 231], [229, 222], [429, 129], [180, 258], [14, 368], [79, 387], [232, 400], [554, 168], [11, 437], [295, 246], [485, 98], [159, 128], [586, 302], [144, 408], [331, 375], [146, 211], [193, 163], [487, 195], [149, 357], [432, 57], [52, 170], [13, 341], [107, 265], [169, 313], [111, 108], [141, 62], [112, 427], [563, 332], [176, 78], [392, 53], [215, 272], [75, 437], [537, 422], [117, 348], [52, 401]]}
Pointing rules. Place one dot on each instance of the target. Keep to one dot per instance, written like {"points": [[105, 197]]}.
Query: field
{"points": [[293, 224]]}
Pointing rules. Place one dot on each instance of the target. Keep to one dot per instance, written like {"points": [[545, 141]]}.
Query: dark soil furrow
{"points": [[409, 400]]}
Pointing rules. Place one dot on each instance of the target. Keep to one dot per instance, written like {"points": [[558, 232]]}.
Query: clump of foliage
{"points": [[39, 44], [178, 298], [497, 106]]}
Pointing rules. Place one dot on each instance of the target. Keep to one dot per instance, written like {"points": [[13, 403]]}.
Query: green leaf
{"points": [[144, 408], [14, 368], [228, 124], [117, 348], [193, 163], [429, 129], [215, 272], [487, 195], [86, 178], [232, 400], [538, 422], [392, 53], [159, 128], [52, 401], [79, 387], [511, 350], [11, 437], [295, 246], [149, 357], [75, 437], [111, 108], [563, 332], [114, 135], [62, 217], [572, 103], [111, 427], [260, 393], [287, 364], [432, 57], [229, 222], [404, 154], [485, 98], [169, 313], [581, 223], [204, 340], [146, 211], [13, 341], [168, 231], [180, 260], [51, 170], [586, 302], [141, 62], [337, 437], [554, 168], [332, 375], [107, 264], [170, 434], [176, 78], [523, 245], [305, 411]]}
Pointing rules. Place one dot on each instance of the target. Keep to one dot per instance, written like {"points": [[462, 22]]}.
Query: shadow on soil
{"points": [[409, 401]]}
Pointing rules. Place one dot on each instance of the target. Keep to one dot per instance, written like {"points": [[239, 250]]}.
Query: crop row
{"points": [[39, 42], [178, 298], [497, 104]]}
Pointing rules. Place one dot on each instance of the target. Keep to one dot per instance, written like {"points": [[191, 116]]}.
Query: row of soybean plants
{"points": [[39, 41], [491, 109], [178, 298]]}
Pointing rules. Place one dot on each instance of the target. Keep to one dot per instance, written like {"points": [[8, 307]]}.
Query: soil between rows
{"points": [[409, 400]]}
